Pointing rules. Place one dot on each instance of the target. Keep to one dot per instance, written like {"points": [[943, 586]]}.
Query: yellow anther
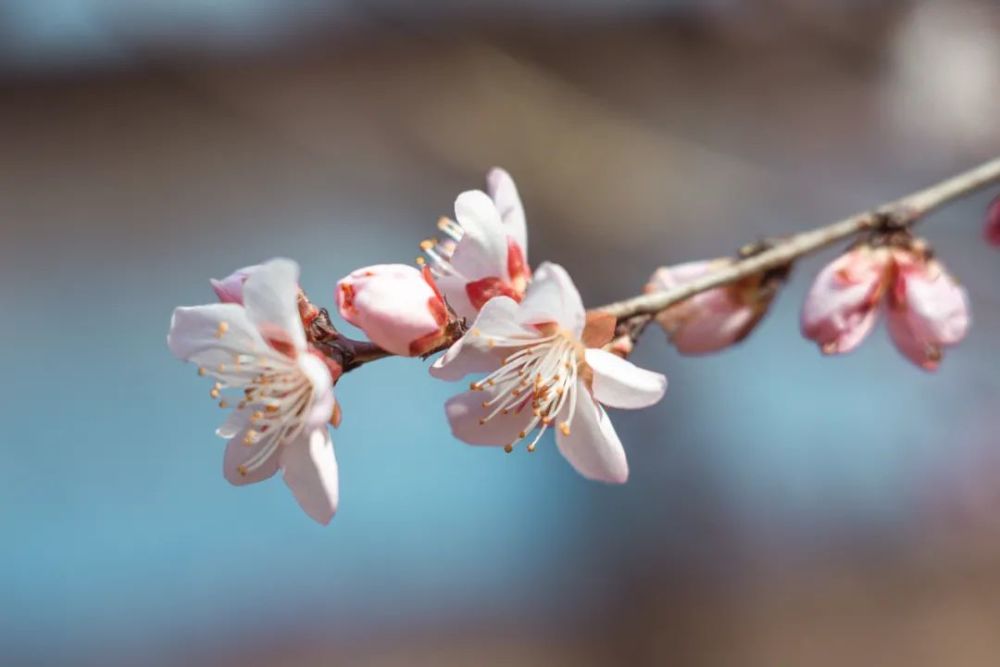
{"points": [[531, 447], [257, 416], [421, 261], [221, 368], [475, 386], [243, 470], [521, 434], [564, 428], [427, 244], [222, 329], [214, 393], [201, 371], [250, 437], [271, 408], [223, 404], [508, 448], [490, 343]]}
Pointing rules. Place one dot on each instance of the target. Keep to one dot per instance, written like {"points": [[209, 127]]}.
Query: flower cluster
{"points": [[539, 361]]}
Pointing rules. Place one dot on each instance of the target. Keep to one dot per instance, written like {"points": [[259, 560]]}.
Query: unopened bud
{"points": [[397, 306]]}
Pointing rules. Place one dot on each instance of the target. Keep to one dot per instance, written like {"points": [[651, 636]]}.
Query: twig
{"points": [[897, 214]]}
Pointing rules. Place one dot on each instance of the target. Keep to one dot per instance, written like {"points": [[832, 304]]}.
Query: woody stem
{"points": [[898, 214]]}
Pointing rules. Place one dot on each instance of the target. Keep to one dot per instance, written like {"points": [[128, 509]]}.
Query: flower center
{"points": [[542, 376]]}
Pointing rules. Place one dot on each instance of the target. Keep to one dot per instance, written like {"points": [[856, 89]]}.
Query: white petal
{"points": [[464, 412], [622, 384], [592, 446], [482, 252], [311, 473], [473, 352], [319, 377], [238, 454], [271, 296], [237, 421], [500, 186], [210, 335], [552, 297]]}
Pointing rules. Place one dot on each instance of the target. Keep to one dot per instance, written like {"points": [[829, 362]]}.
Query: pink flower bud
{"points": [[842, 304], [714, 319], [928, 309], [397, 306], [992, 229], [230, 288]]}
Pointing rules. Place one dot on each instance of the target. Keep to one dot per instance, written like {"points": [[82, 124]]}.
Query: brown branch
{"points": [[900, 213], [635, 314]]}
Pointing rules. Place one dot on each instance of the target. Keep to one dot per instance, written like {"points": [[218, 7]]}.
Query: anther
{"points": [[564, 428], [531, 447], [201, 371], [222, 329], [243, 470], [223, 404], [508, 448]]}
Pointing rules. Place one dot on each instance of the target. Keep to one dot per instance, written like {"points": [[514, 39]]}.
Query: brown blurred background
{"points": [[783, 509]]}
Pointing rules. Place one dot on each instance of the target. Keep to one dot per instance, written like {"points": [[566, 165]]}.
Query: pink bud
{"points": [[714, 319], [397, 306], [928, 309], [992, 229], [230, 288], [842, 303]]}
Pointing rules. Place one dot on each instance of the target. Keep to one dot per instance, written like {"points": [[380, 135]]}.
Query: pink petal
{"points": [[230, 288], [270, 297], [840, 308], [209, 335], [482, 252], [500, 186], [552, 297], [592, 446], [473, 352], [310, 471], [991, 230], [465, 412], [238, 454], [622, 384]]}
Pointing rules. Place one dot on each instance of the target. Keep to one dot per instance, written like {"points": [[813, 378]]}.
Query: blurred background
{"points": [[783, 509]]}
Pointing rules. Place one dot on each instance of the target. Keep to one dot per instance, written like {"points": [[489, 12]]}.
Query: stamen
{"points": [[222, 329]]}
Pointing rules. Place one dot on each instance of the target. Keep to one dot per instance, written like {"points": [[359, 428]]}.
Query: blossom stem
{"points": [[898, 214]]}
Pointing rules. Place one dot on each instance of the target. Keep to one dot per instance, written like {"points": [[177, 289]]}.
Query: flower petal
{"points": [[311, 473], [482, 252], [239, 454], [473, 353], [500, 186], [552, 297], [210, 335], [465, 411], [622, 384], [592, 446], [270, 296]]}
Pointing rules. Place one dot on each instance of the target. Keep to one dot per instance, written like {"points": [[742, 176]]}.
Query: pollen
{"points": [[532, 446], [257, 416], [508, 448], [222, 329], [427, 244], [223, 404], [242, 470], [214, 393], [201, 371], [564, 428]]}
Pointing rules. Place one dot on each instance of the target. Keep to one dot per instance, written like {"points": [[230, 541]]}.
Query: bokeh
{"points": [[783, 508]]}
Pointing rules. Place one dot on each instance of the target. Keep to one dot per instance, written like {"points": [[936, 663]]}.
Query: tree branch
{"points": [[894, 215]]}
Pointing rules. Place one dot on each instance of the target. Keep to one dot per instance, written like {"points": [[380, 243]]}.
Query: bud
{"points": [[991, 232], [842, 304], [715, 319], [397, 306], [230, 289], [928, 309]]}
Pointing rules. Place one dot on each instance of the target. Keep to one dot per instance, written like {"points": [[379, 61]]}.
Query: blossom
{"points": [[397, 306], [545, 369], [485, 249], [928, 309], [991, 231], [842, 305], [714, 319], [280, 420], [230, 288]]}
